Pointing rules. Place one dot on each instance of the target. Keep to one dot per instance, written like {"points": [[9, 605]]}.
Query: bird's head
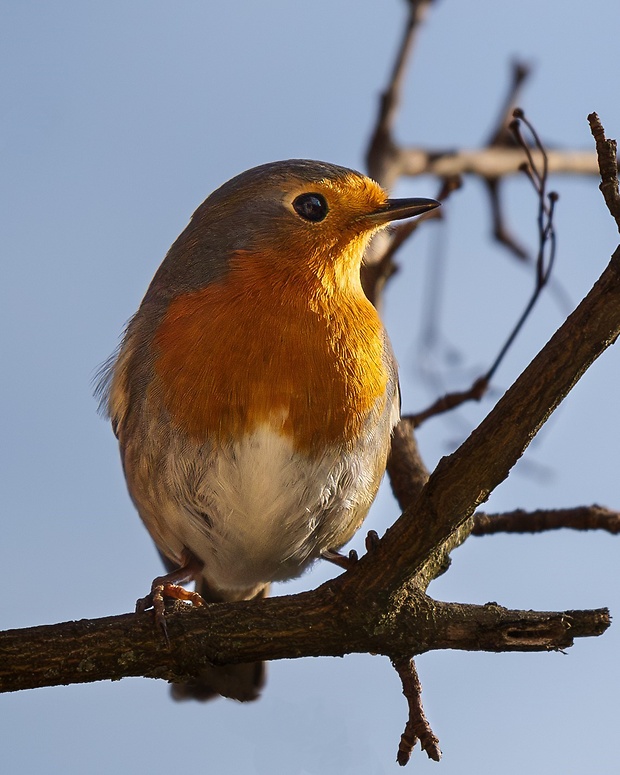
{"points": [[296, 218]]}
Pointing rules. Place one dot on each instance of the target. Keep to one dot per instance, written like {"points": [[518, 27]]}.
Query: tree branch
{"points": [[318, 623], [417, 727], [463, 480], [608, 165], [373, 607], [490, 162], [405, 466], [519, 521], [382, 150]]}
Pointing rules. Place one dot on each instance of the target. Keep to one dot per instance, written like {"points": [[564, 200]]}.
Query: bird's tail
{"points": [[242, 682]]}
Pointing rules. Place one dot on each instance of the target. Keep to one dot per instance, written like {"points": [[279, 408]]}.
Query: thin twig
{"points": [[606, 151], [382, 154], [546, 233], [537, 170], [519, 521], [417, 727], [501, 232], [501, 137], [450, 401], [382, 159]]}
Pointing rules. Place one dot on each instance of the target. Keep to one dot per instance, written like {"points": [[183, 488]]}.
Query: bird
{"points": [[255, 390]]}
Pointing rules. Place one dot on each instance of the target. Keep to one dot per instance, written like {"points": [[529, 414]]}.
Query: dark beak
{"points": [[397, 209]]}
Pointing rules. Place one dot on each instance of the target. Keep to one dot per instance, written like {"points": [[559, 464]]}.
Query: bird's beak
{"points": [[397, 209]]}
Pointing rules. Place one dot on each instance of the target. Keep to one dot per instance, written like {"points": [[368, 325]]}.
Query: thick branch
{"points": [[463, 480], [311, 624]]}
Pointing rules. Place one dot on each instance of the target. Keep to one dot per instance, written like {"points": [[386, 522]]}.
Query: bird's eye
{"points": [[311, 207]]}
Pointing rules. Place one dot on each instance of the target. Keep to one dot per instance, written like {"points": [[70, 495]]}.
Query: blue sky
{"points": [[118, 119]]}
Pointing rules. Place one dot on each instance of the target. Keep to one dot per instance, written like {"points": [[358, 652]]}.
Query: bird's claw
{"points": [[155, 600], [344, 561], [372, 541]]}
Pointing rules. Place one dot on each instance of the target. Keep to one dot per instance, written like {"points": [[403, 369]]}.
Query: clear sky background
{"points": [[117, 120]]}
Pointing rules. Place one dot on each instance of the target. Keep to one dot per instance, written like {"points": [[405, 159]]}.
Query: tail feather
{"points": [[238, 682]]}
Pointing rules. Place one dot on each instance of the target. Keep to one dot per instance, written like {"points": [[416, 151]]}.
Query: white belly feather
{"points": [[261, 511]]}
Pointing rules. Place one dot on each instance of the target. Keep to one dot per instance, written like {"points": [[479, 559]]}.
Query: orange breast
{"points": [[304, 356]]}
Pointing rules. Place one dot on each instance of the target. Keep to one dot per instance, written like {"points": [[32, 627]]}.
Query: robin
{"points": [[255, 390]]}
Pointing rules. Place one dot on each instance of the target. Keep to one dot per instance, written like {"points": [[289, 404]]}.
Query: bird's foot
{"points": [[169, 586]]}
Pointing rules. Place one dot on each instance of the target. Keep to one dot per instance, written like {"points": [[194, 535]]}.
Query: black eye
{"points": [[311, 207]]}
